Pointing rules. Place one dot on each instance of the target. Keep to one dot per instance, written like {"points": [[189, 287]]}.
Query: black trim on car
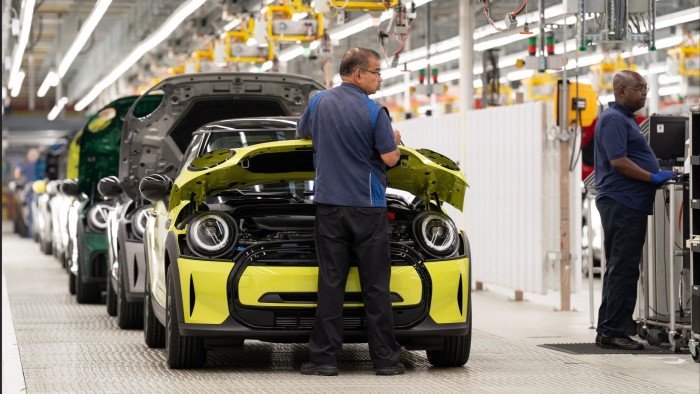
{"points": [[303, 253]]}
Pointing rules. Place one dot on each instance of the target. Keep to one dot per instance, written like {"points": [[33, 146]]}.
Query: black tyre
{"points": [[696, 355], [455, 352], [45, 246], [655, 337], [71, 283], [85, 293], [153, 331], [181, 352], [641, 330], [111, 301], [129, 314]]}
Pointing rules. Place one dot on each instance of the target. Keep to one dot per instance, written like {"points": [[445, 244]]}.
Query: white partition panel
{"points": [[512, 205]]}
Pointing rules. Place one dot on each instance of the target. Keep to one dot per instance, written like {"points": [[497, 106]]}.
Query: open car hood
{"points": [[287, 161], [99, 144], [154, 143]]}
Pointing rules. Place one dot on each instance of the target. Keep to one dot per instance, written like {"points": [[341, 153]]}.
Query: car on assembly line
{"points": [[230, 248], [99, 158], [154, 142]]}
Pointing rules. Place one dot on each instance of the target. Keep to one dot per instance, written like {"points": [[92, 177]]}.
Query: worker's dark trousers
{"points": [[345, 235], [624, 230]]}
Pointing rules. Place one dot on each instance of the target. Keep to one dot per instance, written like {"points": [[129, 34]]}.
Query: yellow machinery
{"points": [[289, 23], [582, 96], [540, 86], [584, 104], [606, 70], [194, 63], [237, 49], [362, 5], [688, 59]]}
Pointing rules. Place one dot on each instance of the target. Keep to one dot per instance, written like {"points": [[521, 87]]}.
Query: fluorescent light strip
{"points": [[447, 76], [669, 79], [27, 15], [179, 15], [18, 84], [670, 90], [50, 80], [57, 108], [296, 50], [83, 35], [551, 12]]}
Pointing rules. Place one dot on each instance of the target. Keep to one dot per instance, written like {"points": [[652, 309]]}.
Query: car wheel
{"points": [[129, 314], [85, 293], [111, 296], [455, 352], [181, 352], [45, 246], [153, 331], [71, 283]]}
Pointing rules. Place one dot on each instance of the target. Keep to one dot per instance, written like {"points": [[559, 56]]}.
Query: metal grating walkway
{"points": [[66, 347]]}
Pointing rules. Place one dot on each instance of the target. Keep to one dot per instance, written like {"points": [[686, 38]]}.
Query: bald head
{"points": [[624, 78], [630, 90]]}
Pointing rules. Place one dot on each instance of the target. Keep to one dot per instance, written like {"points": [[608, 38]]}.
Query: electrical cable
{"points": [[512, 14]]}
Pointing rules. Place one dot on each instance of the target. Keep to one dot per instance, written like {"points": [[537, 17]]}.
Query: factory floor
{"points": [[52, 345]]}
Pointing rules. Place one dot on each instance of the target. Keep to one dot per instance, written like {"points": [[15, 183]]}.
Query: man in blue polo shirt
{"points": [[626, 174], [353, 142]]}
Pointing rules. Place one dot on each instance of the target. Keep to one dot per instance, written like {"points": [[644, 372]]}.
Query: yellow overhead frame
{"points": [[688, 58], [607, 69], [242, 36], [540, 86], [198, 56], [363, 5], [287, 11]]}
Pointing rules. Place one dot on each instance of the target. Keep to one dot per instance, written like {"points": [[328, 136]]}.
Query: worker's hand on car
{"points": [[662, 176], [397, 137]]}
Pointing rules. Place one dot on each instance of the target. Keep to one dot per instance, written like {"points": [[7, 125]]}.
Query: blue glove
{"points": [[662, 176]]}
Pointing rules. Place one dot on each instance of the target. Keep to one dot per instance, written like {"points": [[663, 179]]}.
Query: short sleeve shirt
{"points": [[618, 135], [349, 132]]}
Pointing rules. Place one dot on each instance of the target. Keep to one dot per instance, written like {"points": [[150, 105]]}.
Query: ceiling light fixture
{"points": [[57, 108], [158, 36], [86, 30], [27, 14], [419, 54], [17, 86], [50, 80]]}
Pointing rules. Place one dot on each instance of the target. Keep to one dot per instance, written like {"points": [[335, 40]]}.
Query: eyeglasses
{"points": [[639, 89], [377, 73]]}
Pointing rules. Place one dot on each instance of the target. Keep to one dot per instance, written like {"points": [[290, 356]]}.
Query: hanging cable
{"points": [[511, 16]]}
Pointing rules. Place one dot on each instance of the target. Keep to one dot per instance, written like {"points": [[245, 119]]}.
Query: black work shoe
{"points": [[597, 339], [317, 369], [623, 343], [398, 369]]}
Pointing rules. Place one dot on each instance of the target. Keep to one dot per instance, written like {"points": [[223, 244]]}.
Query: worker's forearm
{"points": [[629, 169]]}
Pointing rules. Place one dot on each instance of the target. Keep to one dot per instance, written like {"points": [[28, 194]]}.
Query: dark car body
{"points": [[155, 142]]}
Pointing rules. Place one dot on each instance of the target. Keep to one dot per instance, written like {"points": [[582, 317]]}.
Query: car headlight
{"points": [[436, 233], [212, 234], [97, 217], [138, 221]]}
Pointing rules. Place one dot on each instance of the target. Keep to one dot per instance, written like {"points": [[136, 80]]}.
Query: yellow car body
{"points": [[259, 292]]}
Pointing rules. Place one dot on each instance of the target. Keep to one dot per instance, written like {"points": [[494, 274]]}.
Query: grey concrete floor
{"points": [[61, 347]]}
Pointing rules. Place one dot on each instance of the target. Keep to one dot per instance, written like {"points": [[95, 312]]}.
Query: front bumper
{"points": [[276, 302]]}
